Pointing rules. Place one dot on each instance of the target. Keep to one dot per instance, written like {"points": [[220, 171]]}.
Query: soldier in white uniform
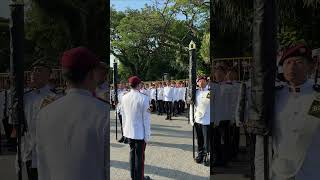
{"points": [[34, 100], [153, 97], [232, 78], [102, 89], [182, 97], [5, 105], [219, 124], [175, 96], [160, 105], [136, 126], [71, 132], [202, 121], [168, 93], [296, 137], [121, 92]]}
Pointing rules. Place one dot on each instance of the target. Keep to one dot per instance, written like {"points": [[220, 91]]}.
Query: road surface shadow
{"points": [[171, 135], [184, 147], [164, 172], [117, 145], [173, 131], [169, 126]]}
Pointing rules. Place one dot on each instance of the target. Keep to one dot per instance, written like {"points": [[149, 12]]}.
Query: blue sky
{"points": [[122, 5]]}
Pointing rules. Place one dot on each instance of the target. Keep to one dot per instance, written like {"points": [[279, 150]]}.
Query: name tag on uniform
{"points": [[315, 109]]}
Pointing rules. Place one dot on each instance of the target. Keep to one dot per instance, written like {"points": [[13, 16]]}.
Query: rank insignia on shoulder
{"points": [[28, 91], [47, 100], [315, 109]]}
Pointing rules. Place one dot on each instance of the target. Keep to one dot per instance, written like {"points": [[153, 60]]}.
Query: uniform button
{"points": [[295, 113]]}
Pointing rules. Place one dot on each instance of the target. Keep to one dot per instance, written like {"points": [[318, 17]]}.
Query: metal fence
{"points": [[242, 66], [56, 76]]}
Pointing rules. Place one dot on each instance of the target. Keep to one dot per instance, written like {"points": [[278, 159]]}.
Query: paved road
{"points": [[7, 168], [168, 155]]}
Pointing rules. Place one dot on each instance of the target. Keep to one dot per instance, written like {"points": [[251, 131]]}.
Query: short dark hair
{"points": [[74, 76], [134, 85]]}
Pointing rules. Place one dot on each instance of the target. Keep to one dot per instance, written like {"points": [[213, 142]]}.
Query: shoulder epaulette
{"points": [[103, 100], [143, 93], [316, 87], [28, 91], [48, 100], [55, 91]]}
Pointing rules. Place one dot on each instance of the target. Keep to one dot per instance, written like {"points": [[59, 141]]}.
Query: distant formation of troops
{"points": [[166, 97]]}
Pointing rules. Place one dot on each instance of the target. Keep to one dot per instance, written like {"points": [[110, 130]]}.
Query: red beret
{"points": [[201, 78], [296, 50], [134, 80], [79, 58]]}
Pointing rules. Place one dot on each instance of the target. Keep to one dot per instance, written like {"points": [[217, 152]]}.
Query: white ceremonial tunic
{"points": [[136, 115], [33, 101], [160, 93], [153, 93], [182, 93], [201, 108], [145, 91], [120, 95], [225, 101], [296, 136], [71, 137], [168, 93], [175, 94]]}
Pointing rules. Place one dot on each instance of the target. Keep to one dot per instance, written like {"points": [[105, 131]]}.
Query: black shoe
{"points": [[167, 118], [126, 141], [199, 159], [121, 140], [147, 178], [206, 160]]}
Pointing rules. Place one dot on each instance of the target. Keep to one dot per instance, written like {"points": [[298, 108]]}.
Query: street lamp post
{"points": [[192, 85], [115, 84], [16, 70]]}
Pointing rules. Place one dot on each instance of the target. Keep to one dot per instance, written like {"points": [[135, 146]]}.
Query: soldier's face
{"points": [[100, 75], [202, 83], [219, 74], [295, 69], [39, 76]]}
